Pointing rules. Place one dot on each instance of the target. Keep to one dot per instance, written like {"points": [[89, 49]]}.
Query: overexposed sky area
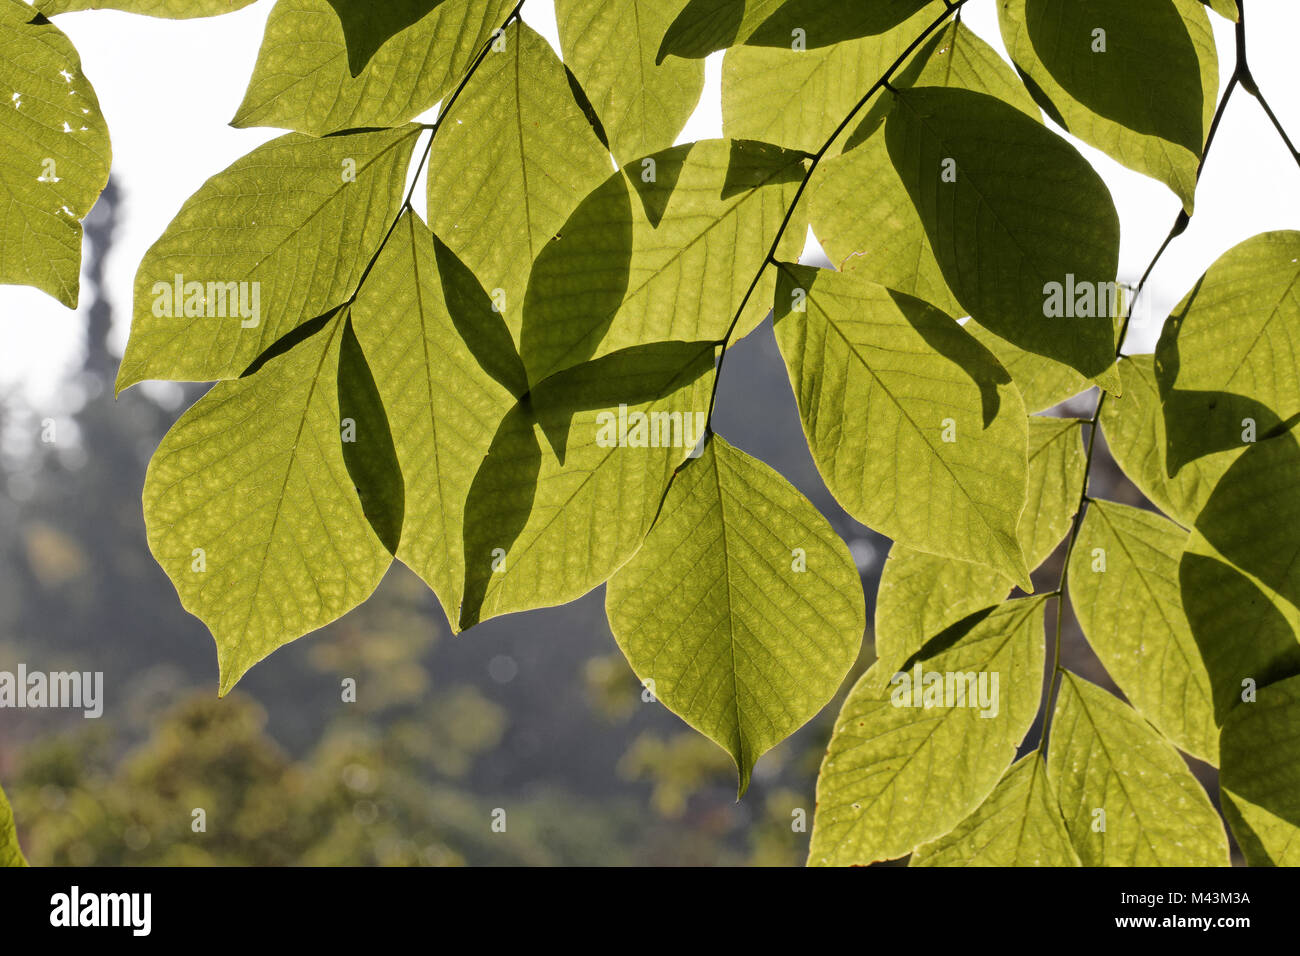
{"points": [[168, 89]]}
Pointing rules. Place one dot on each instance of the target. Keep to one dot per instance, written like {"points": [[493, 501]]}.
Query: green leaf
{"points": [[1231, 351], [1245, 636], [170, 9], [860, 210], [1253, 516], [662, 252], [1103, 757], [1261, 769], [56, 154], [1032, 206], [866, 223], [1265, 838], [911, 422], [572, 481], [506, 175], [251, 510], [11, 854], [367, 26], [1124, 587], [897, 775], [1147, 100], [742, 607], [290, 226], [442, 399], [642, 106], [1043, 383], [708, 25], [1134, 425], [797, 98], [921, 595], [1018, 825], [1224, 8], [302, 80], [1056, 466]]}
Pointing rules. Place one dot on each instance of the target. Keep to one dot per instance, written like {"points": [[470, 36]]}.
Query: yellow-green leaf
{"points": [[1124, 588], [418, 330], [1127, 796], [611, 49], [505, 176], [742, 607], [913, 424], [250, 509], [11, 854], [899, 772], [1018, 825], [56, 154], [1261, 768], [1137, 80], [280, 237], [664, 250], [985, 176], [302, 80]]}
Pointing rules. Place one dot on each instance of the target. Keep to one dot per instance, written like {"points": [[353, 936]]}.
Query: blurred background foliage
{"points": [[537, 715]]}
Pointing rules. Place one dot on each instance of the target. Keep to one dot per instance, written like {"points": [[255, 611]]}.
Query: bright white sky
{"points": [[168, 88]]}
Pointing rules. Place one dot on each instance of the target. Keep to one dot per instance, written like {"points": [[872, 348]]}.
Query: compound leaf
{"points": [[742, 607]]}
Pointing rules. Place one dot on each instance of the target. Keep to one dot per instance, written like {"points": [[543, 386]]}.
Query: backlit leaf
{"points": [[506, 175], [250, 508], [1261, 768], [302, 80], [661, 252], [442, 403], [171, 9], [1124, 588], [912, 423], [743, 607], [1127, 796], [898, 773], [284, 234], [1018, 825], [1011, 208], [611, 49], [1137, 80], [55, 150], [11, 853]]}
